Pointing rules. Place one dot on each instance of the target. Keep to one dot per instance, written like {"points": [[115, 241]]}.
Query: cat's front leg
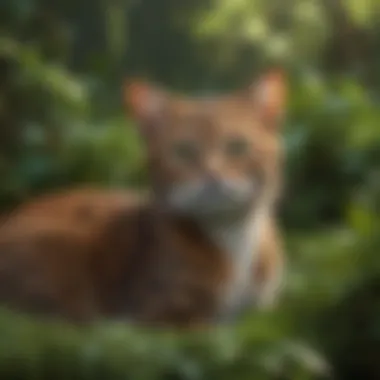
{"points": [[268, 282]]}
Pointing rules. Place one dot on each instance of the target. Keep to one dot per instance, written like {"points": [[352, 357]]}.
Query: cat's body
{"points": [[200, 249]]}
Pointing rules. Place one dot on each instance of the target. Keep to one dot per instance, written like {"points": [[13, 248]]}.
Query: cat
{"points": [[202, 247]]}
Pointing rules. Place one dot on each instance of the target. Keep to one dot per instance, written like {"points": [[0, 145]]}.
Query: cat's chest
{"points": [[239, 244]]}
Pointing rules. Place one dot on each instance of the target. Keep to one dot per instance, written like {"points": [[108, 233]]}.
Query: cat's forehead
{"points": [[215, 115], [162, 113]]}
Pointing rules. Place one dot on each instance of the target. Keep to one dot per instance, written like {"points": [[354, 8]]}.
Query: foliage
{"points": [[114, 351], [62, 65]]}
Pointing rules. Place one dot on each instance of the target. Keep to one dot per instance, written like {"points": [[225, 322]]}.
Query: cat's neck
{"points": [[237, 237]]}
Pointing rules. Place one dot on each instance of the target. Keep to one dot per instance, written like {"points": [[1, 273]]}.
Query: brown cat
{"points": [[201, 248]]}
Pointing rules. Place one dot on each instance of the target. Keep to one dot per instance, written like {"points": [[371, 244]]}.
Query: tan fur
{"points": [[91, 253], [85, 204]]}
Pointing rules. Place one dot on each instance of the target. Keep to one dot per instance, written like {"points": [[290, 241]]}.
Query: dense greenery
{"points": [[61, 122]]}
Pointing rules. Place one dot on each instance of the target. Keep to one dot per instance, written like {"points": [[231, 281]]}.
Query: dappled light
{"points": [[63, 124]]}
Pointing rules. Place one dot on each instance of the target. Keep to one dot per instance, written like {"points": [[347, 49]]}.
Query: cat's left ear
{"points": [[144, 100], [269, 95]]}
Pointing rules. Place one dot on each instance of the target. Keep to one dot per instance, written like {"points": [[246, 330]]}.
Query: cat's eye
{"points": [[236, 147], [186, 151]]}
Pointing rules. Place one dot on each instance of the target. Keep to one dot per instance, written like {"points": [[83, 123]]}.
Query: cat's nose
{"points": [[213, 167]]}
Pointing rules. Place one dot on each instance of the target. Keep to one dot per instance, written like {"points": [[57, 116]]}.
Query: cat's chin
{"points": [[225, 213]]}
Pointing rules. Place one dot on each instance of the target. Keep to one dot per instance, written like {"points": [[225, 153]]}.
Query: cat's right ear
{"points": [[146, 102]]}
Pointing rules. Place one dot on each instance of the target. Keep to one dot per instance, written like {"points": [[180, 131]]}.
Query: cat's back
{"points": [[48, 248], [79, 205]]}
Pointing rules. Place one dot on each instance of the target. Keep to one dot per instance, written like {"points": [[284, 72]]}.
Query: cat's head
{"points": [[210, 157]]}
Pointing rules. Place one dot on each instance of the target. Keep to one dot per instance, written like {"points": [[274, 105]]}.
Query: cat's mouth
{"points": [[204, 199]]}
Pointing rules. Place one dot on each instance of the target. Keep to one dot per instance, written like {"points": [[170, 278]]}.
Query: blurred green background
{"points": [[62, 64]]}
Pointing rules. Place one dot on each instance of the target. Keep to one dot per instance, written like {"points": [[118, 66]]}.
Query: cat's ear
{"points": [[144, 100], [269, 94]]}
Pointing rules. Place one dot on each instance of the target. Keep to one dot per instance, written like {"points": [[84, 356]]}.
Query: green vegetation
{"points": [[61, 123]]}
